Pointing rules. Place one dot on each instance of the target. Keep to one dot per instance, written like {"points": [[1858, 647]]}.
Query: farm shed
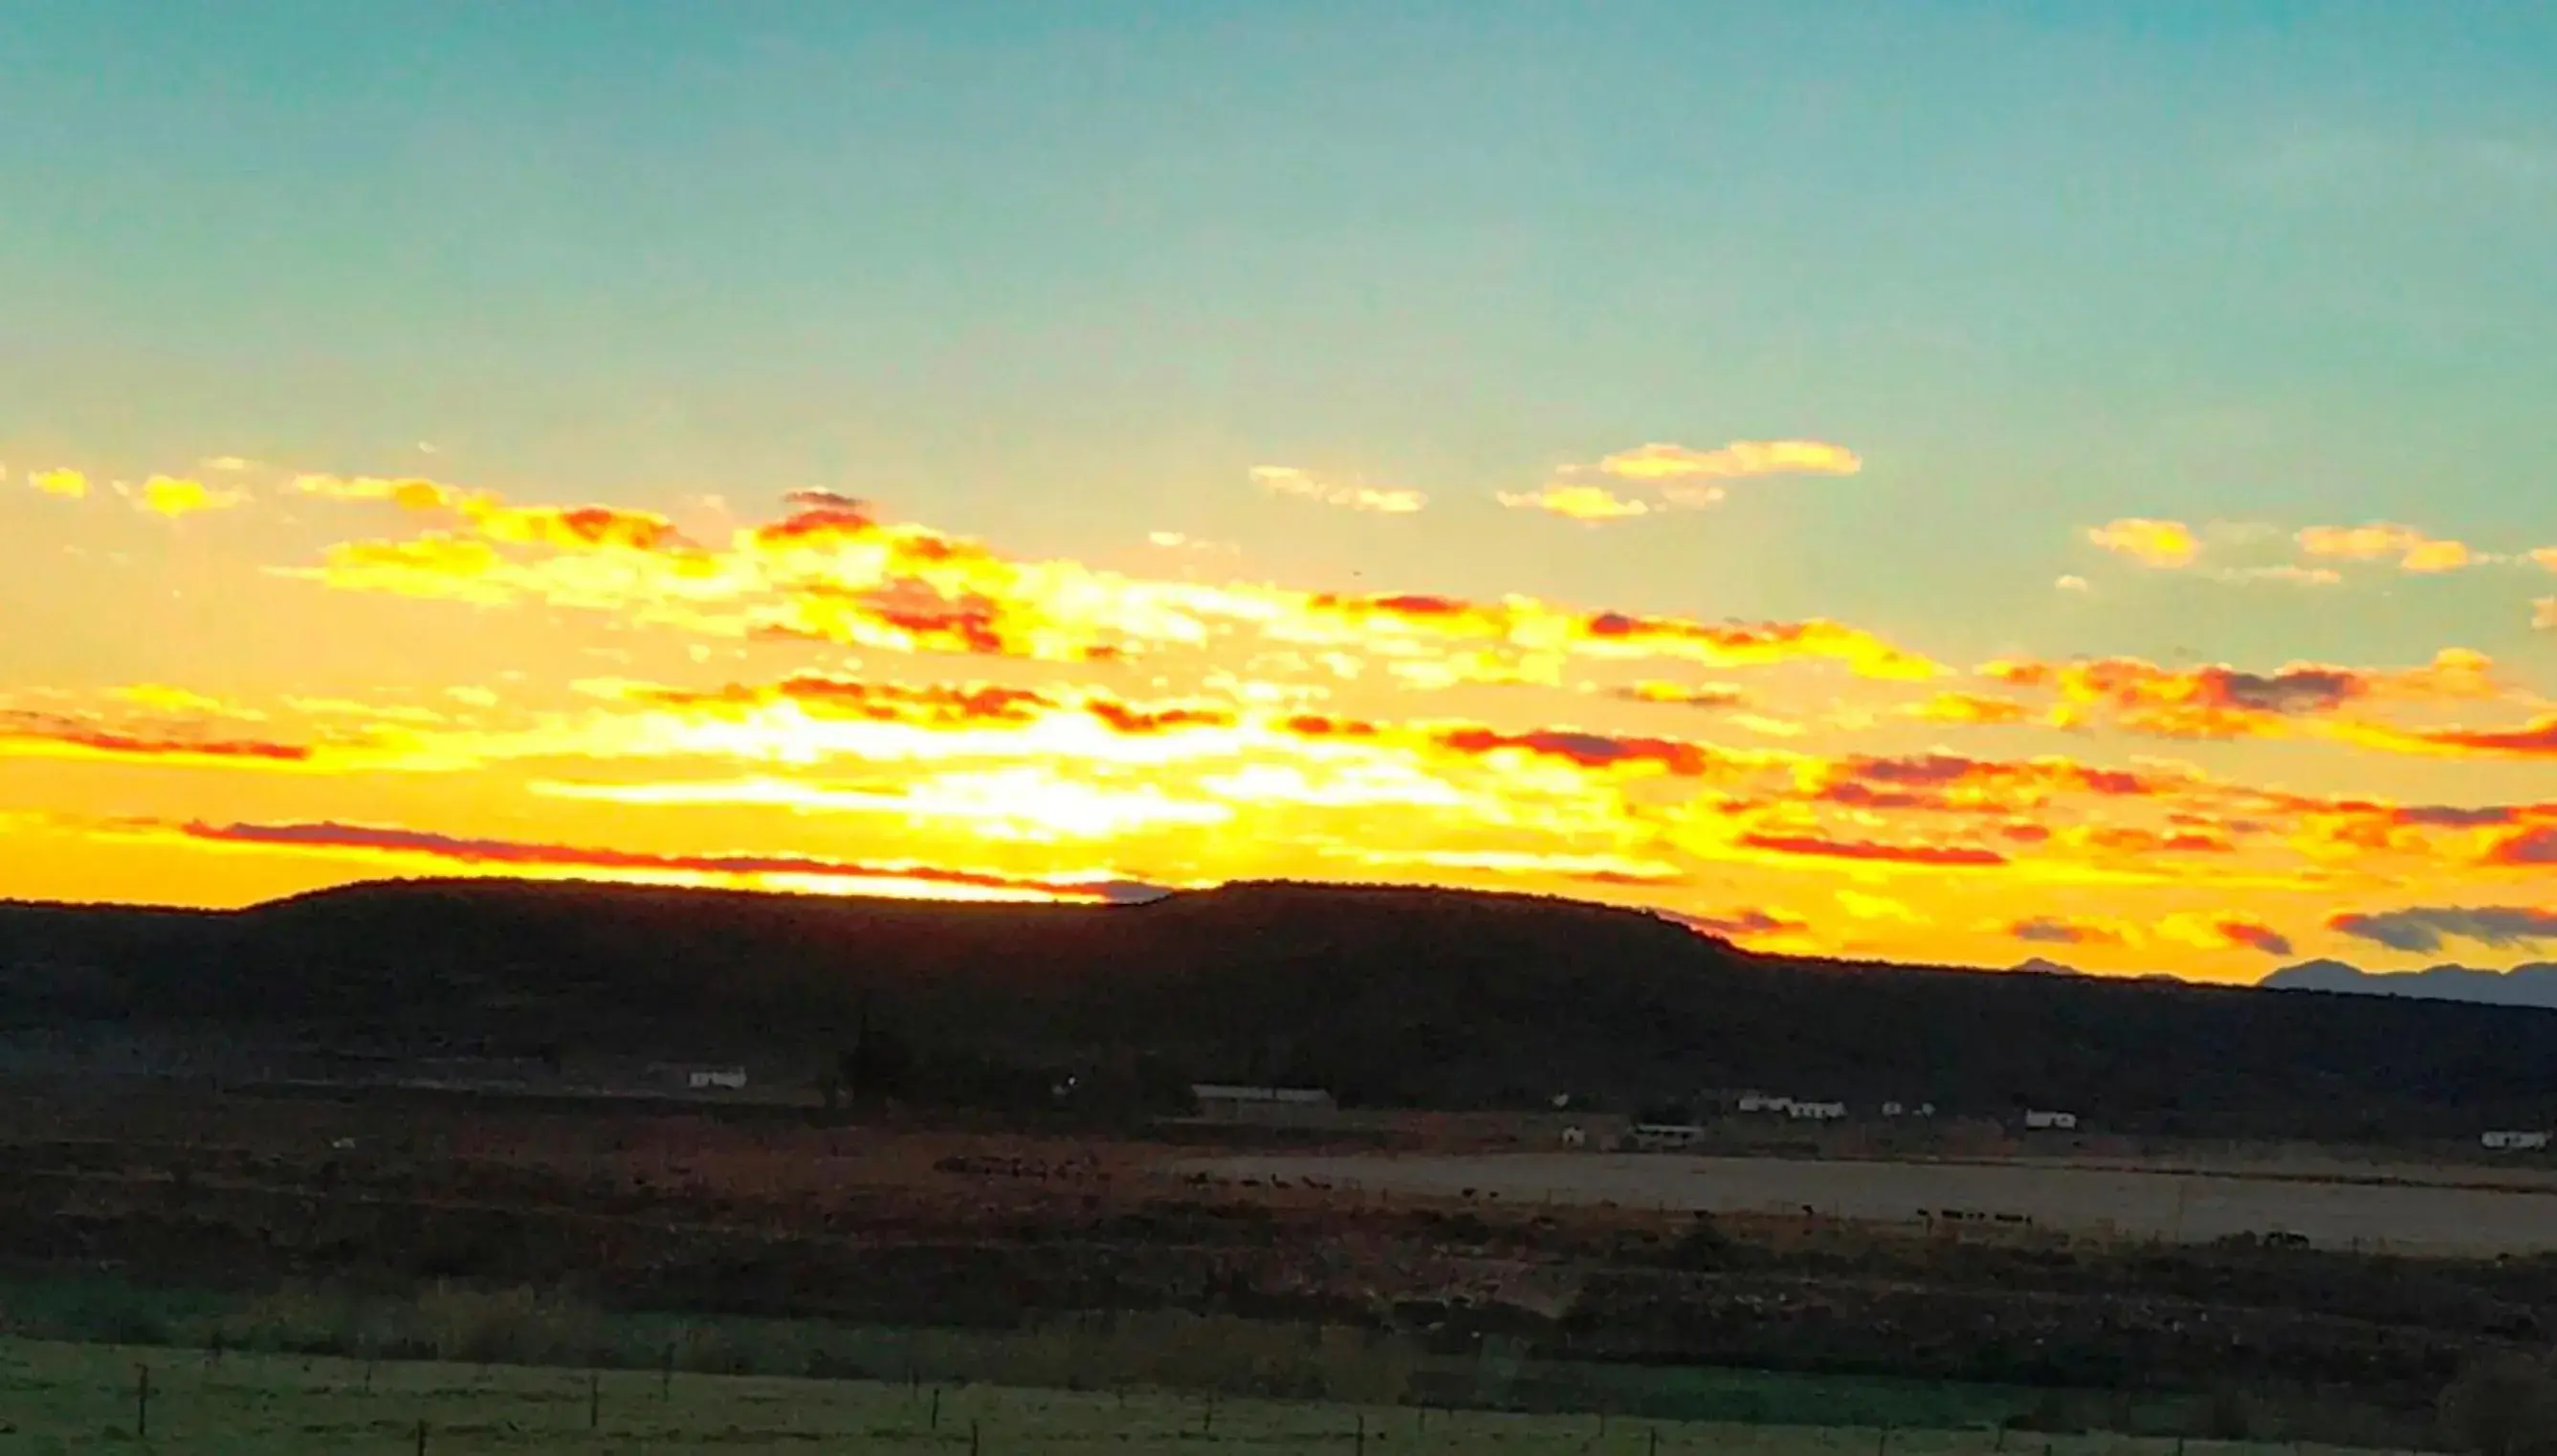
{"points": [[2515, 1141], [2049, 1122], [1224, 1102]]}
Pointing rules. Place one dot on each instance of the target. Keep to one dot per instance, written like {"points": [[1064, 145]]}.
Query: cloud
{"points": [[68, 483], [772, 870], [2223, 702], [1829, 849], [2533, 847], [2226, 932], [1576, 502], [161, 698], [2543, 614], [2422, 929], [2546, 556], [2298, 575], [2079, 584], [1743, 924], [2060, 930], [1970, 707], [1663, 463], [2376, 540], [175, 495], [2155, 543], [1683, 694], [1350, 494], [26, 734]]}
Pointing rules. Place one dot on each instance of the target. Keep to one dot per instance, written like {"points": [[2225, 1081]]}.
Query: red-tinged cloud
{"points": [[2226, 932], [1750, 923], [1682, 695], [1671, 756], [37, 734], [2533, 847], [854, 878], [1750, 644], [2411, 549], [1971, 707], [2152, 543], [2423, 929], [2223, 702], [2060, 930], [1861, 849]]}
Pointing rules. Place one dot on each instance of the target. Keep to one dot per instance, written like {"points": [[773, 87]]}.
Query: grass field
{"points": [[66, 1398], [2123, 1202]]}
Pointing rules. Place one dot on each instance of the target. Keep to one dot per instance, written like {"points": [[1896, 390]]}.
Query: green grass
{"points": [[60, 1397]]}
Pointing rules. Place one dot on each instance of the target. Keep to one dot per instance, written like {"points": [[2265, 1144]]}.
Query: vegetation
{"points": [[1384, 995]]}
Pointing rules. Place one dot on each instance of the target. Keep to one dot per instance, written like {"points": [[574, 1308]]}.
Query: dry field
{"points": [[2412, 1218]]}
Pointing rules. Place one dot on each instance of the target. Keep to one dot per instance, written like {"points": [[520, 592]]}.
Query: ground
{"points": [[86, 1398]]}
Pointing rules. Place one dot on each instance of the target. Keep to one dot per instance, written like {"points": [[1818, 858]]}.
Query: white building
{"points": [[707, 1079], [2045, 1122], [1574, 1137], [1759, 1102], [1260, 1103], [1816, 1111], [2515, 1141]]}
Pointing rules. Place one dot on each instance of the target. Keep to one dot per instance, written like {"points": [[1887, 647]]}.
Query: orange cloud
{"points": [[68, 483], [1705, 695], [2376, 540], [1971, 707], [2154, 543], [1861, 849], [756, 870], [2223, 702], [1349, 494], [48, 736], [2226, 932], [175, 495], [1575, 502], [2546, 556]]}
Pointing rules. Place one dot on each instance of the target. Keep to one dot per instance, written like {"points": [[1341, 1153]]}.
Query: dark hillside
{"points": [[1384, 994]]}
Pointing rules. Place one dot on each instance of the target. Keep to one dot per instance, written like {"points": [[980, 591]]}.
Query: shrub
{"points": [[2503, 1406]]}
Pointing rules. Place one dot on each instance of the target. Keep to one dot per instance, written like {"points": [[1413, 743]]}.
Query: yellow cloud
{"points": [[177, 495], [2546, 556], [1351, 494], [2155, 543], [65, 482], [1576, 502], [1741, 457], [2377, 540]]}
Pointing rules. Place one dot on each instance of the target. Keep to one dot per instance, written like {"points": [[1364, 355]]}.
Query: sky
{"points": [[1948, 482]]}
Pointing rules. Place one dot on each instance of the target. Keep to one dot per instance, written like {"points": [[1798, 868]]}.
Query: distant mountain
{"points": [[2522, 986], [1385, 996], [2043, 965]]}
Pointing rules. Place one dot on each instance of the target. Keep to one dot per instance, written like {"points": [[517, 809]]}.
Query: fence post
{"points": [[368, 1375], [1883, 1445], [666, 1377], [1362, 1433], [594, 1400], [1207, 1420], [142, 1403], [974, 1446], [1655, 1441], [421, 1436], [936, 1408]]}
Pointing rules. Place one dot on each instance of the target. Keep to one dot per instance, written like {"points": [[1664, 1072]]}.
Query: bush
{"points": [[2503, 1406]]}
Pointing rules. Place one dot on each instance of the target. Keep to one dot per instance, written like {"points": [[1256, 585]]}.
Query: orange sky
{"points": [[242, 680]]}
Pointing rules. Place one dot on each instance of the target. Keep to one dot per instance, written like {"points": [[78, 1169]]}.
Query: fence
{"points": [[76, 1397]]}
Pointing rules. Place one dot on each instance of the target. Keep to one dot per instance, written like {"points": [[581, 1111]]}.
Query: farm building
{"points": [[1657, 1135], [1816, 1111], [2049, 1121], [1231, 1104], [1574, 1137], [716, 1079], [2515, 1141]]}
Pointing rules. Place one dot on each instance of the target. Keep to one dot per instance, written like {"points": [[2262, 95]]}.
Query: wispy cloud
{"points": [[1351, 494], [2163, 544], [65, 482], [2422, 929], [179, 495], [1575, 502], [2226, 932], [2413, 550], [1664, 462]]}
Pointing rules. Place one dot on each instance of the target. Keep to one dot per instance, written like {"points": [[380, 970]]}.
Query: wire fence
{"points": [[82, 1398]]}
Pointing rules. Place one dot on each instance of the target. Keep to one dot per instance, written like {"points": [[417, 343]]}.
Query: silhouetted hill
{"points": [[1383, 994], [2522, 986]]}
